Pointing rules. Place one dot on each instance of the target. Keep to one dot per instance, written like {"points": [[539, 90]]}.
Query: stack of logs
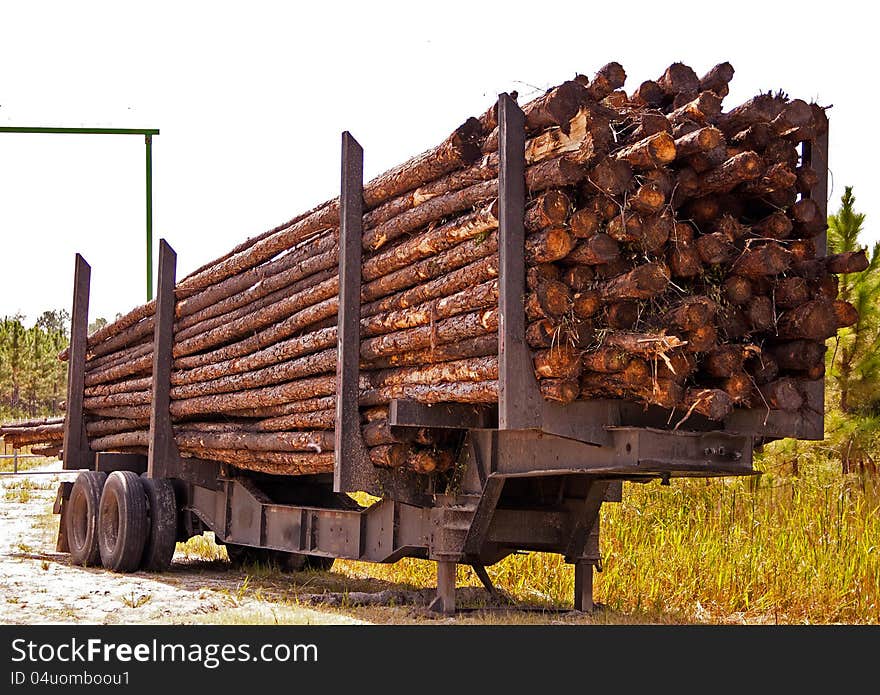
{"points": [[671, 260]]}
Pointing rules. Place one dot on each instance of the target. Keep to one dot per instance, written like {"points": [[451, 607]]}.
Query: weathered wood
{"points": [[714, 404], [654, 151]]}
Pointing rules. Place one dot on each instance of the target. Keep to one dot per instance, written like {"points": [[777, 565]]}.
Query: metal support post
{"points": [[352, 466], [76, 446], [445, 600], [519, 404], [163, 451], [583, 586]]}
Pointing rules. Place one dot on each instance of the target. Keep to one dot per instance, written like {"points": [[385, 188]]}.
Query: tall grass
{"points": [[777, 548]]}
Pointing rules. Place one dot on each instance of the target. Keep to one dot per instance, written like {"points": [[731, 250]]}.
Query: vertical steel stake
{"points": [[815, 155], [518, 396], [76, 446], [163, 453], [351, 455]]}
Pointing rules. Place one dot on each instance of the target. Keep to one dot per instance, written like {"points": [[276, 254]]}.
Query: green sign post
{"points": [[148, 140]]}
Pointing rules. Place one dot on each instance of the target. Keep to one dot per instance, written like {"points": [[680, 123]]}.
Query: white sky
{"points": [[251, 99]]}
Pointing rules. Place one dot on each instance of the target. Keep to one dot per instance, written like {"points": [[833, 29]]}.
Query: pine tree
{"points": [[855, 368]]}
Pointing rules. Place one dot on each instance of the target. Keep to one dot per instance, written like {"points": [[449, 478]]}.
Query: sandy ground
{"points": [[41, 586]]}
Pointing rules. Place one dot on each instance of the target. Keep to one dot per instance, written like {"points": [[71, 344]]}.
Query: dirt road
{"points": [[41, 586]]}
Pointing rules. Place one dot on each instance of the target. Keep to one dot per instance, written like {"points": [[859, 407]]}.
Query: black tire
{"points": [[162, 524], [81, 518], [122, 522], [240, 555]]}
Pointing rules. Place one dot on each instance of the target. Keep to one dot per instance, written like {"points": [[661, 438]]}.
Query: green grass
{"points": [[772, 549]]}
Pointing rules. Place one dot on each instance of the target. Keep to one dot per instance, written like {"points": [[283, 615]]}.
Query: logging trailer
{"points": [[531, 475]]}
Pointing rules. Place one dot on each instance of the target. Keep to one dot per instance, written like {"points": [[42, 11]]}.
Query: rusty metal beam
{"points": [[76, 451]]}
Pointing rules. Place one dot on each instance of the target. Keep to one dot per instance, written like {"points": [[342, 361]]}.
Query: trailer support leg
{"points": [[485, 580], [445, 600], [583, 586]]}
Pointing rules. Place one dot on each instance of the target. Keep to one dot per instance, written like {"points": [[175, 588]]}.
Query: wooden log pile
{"points": [[671, 260]]}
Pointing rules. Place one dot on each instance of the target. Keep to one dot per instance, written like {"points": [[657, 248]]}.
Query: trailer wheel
{"points": [[122, 522], [162, 524], [81, 518]]}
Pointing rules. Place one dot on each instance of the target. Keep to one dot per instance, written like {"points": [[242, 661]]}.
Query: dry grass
{"points": [[781, 549], [774, 549]]}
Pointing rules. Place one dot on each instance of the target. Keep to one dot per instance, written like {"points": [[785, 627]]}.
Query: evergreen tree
{"points": [[855, 355]]}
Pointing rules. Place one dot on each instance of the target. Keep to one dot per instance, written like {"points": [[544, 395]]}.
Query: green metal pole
{"points": [[148, 139]]}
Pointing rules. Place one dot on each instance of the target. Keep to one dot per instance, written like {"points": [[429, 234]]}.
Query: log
{"points": [[814, 320], [737, 290], [701, 110], [606, 360], [611, 176], [586, 304], [649, 123], [648, 93], [739, 387], [271, 462], [559, 362], [578, 277], [549, 245], [714, 248], [643, 344], [595, 250], [451, 330], [607, 79], [559, 390], [479, 346], [389, 455], [847, 262], [536, 275], [648, 199], [724, 361], [799, 355], [762, 108], [742, 167], [759, 261], [548, 210], [470, 392], [718, 79], [584, 223], [457, 371], [782, 394], [552, 299], [428, 461], [654, 151], [678, 79], [714, 404], [690, 313], [760, 314], [845, 314], [775, 226], [701, 339], [791, 292], [622, 315], [643, 282]]}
